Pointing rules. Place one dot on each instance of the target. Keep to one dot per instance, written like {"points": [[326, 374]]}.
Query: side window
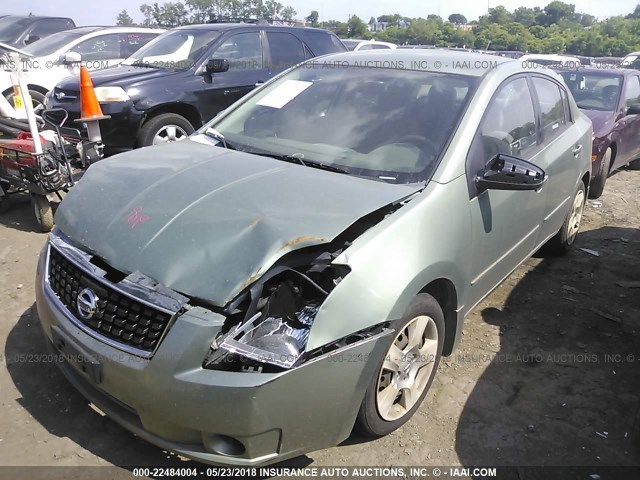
{"points": [[508, 127], [551, 107], [286, 50], [244, 51], [102, 47], [45, 28], [632, 92], [322, 43], [131, 42]]}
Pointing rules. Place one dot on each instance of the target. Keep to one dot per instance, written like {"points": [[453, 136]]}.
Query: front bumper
{"points": [[119, 133], [171, 401]]}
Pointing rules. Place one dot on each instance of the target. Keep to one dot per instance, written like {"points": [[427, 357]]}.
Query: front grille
{"points": [[118, 317]]}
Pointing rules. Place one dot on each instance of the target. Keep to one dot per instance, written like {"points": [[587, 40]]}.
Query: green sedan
{"points": [[298, 267]]}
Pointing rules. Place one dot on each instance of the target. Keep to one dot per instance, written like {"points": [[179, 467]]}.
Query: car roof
{"points": [[449, 61], [229, 26], [36, 17], [599, 71]]}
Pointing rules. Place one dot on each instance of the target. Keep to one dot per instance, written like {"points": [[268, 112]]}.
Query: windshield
{"points": [[387, 124], [177, 49], [594, 91], [52, 43], [12, 27]]}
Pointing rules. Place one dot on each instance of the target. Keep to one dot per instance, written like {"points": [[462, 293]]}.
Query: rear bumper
{"points": [[171, 401]]}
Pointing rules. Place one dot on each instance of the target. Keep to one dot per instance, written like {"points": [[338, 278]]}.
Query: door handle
{"points": [[259, 82], [576, 150]]}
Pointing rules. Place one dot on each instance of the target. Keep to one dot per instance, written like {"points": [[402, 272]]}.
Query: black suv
{"points": [[18, 31], [168, 88]]}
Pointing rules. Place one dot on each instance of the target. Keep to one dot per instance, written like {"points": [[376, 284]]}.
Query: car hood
{"points": [[206, 221], [602, 121], [120, 76]]}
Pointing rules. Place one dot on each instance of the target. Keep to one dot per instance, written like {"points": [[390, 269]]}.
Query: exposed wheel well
{"points": [[187, 111], [445, 294]]}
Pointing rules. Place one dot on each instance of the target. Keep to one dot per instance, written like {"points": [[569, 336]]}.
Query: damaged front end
{"points": [[272, 321], [268, 325]]}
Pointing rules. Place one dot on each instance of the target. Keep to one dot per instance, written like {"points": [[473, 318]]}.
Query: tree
{"points": [[526, 16], [288, 14], [458, 19], [357, 28], [312, 19], [124, 18], [636, 12], [499, 15], [555, 12]]}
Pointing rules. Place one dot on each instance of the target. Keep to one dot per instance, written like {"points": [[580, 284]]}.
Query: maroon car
{"points": [[611, 99]]}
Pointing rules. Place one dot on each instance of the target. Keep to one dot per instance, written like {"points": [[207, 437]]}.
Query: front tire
{"points": [[600, 177], [566, 236], [406, 372], [164, 128], [43, 212], [37, 100]]}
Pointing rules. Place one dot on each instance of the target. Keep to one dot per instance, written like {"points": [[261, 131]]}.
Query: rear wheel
{"points": [[600, 177], [634, 165], [566, 237], [403, 378], [43, 212], [164, 128]]}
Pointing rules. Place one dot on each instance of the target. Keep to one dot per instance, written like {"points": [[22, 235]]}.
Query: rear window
{"points": [[322, 43]]}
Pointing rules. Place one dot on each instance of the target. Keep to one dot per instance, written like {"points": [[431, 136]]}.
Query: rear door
{"points": [[505, 224], [285, 51], [247, 69], [563, 152]]}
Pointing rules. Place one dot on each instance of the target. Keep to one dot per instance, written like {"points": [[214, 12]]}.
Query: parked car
{"points": [[60, 55], [611, 99], [631, 60], [18, 31], [548, 60], [356, 45], [186, 76], [302, 262]]}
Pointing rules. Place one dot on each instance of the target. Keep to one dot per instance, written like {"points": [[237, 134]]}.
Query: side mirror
{"points": [[505, 172], [31, 39], [217, 65], [70, 58], [634, 109]]}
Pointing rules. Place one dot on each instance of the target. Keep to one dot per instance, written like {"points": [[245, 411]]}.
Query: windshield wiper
{"points": [[326, 166], [277, 156]]}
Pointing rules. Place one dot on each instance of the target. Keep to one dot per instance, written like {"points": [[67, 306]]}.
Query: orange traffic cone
{"points": [[90, 111], [89, 106]]}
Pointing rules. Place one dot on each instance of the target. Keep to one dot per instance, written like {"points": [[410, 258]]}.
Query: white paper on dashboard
{"points": [[283, 94]]}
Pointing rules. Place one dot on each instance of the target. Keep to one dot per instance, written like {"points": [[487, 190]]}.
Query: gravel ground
{"points": [[546, 373]]}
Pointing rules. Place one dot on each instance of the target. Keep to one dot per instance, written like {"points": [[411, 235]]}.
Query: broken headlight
{"points": [[278, 326]]}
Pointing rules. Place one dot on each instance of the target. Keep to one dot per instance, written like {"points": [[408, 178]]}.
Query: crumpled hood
{"points": [[207, 221]]}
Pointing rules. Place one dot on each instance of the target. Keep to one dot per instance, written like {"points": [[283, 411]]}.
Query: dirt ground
{"points": [[547, 372]]}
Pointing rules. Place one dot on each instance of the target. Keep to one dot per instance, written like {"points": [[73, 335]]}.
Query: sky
{"points": [[104, 13]]}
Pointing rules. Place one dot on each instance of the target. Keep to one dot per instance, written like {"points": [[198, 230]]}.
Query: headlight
{"points": [[111, 94], [276, 333]]}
